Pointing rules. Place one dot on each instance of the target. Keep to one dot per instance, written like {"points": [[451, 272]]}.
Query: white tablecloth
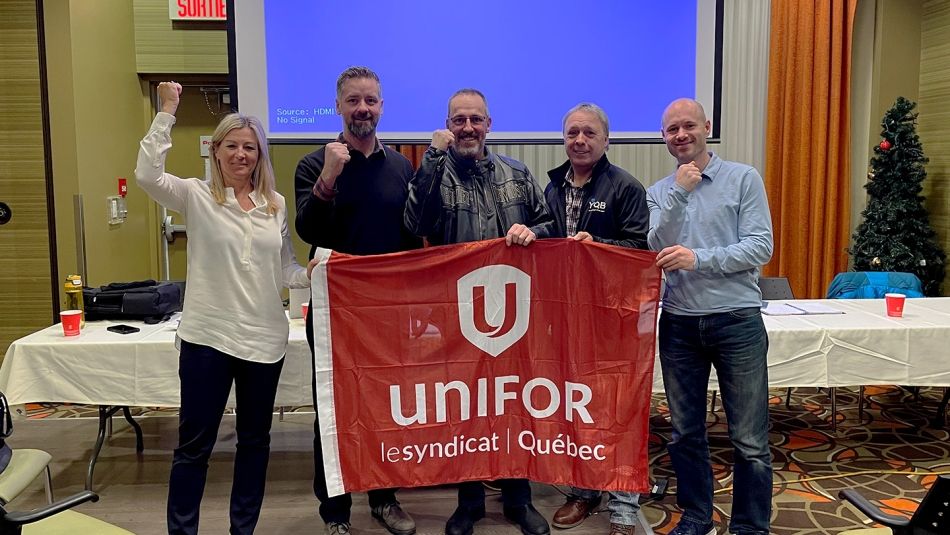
{"points": [[863, 346], [140, 369], [860, 347]]}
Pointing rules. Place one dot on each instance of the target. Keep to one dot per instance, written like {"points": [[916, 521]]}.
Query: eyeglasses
{"points": [[460, 120]]}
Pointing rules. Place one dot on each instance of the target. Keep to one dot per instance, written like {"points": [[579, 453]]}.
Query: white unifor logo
{"points": [[494, 307]]}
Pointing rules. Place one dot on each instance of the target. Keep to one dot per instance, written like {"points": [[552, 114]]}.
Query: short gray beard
{"points": [[362, 129], [474, 153]]}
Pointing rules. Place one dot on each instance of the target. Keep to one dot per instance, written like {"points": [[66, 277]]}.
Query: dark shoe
{"points": [[338, 528], [397, 521], [530, 520], [622, 529], [574, 512], [462, 521], [686, 527]]}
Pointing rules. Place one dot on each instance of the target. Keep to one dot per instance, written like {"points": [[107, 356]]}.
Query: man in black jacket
{"points": [[589, 197], [350, 198], [462, 192], [592, 199]]}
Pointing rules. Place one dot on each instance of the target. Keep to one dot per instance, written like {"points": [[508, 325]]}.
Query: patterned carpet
{"points": [[892, 455]]}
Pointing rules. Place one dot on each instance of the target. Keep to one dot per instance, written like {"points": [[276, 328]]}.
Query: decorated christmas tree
{"points": [[896, 234]]}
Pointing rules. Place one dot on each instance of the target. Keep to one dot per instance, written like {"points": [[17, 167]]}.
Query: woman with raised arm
{"points": [[233, 328]]}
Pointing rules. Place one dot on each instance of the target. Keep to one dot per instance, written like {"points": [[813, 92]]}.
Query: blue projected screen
{"points": [[533, 60]]}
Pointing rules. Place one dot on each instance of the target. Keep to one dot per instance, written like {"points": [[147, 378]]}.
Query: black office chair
{"points": [[940, 418], [778, 288], [932, 516], [772, 288], [775, 288]]}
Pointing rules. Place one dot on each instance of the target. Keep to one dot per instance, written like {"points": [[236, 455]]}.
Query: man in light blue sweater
{"points": [[710, 223]]}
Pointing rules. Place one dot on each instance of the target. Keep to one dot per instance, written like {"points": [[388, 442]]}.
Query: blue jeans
{"points": [[623, 506], [736, 344]]}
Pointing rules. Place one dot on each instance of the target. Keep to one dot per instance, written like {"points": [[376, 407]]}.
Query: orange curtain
{"points": [[412, 152], [808, 141]]}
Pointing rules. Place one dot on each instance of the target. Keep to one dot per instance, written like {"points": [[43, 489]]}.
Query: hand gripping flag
{"points": [[482, 361]]}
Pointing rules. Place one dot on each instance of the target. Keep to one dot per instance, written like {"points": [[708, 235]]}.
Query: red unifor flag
{"points": [[481, 361]]}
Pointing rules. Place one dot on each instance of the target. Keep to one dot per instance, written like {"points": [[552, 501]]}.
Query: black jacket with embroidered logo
{"points": [[614, 209]]}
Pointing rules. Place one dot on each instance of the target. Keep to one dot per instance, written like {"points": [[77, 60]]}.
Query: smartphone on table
{"points": [[123, 329]]}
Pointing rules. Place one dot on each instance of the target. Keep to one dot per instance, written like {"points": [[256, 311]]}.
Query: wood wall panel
{"points": [[934, 119], [182, 49], [24, 241]]}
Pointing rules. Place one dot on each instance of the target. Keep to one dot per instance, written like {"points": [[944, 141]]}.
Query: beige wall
{"points": [[902, 48], [885, 65], [896, 56], [97, 108], [285, 158], [62, 124]]}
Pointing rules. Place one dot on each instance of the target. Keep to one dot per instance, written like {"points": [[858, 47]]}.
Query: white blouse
{"points": [[238, 261]]}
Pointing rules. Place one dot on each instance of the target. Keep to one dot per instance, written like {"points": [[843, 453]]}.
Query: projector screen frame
{"points": [[493, 138]]}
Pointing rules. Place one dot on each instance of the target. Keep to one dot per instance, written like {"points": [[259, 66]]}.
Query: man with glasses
{"points": [[462, 192], [350, 198], [593, 199]]}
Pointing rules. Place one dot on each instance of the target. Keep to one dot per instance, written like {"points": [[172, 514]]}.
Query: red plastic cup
{"points": [[303, 309], [71, 319], [895, 304]]}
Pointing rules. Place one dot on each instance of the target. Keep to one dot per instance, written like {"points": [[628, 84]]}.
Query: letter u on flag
{"points": [[481, 361]]}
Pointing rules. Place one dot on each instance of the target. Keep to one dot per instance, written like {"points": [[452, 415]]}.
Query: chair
{"points": [[53, 519], [25, 465], [932, 516], [772, 288], [940, 419], [778, 288], [872, 285], [56, 519], [775, 288]]}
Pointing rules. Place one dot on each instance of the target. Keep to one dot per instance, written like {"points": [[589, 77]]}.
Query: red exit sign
{"points": [[197, 10]]}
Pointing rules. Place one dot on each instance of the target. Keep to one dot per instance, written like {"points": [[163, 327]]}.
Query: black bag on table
{"points": [[147, 300]]}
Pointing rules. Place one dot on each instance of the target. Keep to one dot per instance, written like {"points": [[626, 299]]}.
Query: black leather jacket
{"points": [[454, 200]]}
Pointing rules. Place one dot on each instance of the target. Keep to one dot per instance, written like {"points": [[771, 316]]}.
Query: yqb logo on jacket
{"points": [[494, 307]]}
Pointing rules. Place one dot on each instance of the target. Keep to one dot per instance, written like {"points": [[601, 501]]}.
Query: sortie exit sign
{"points": [[197, 10]]}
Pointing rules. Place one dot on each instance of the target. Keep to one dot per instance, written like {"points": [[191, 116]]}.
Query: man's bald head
{"points": [[687, 105]]}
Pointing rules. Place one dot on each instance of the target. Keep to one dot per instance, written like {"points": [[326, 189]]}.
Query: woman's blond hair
{"points": [[262, 178]]}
